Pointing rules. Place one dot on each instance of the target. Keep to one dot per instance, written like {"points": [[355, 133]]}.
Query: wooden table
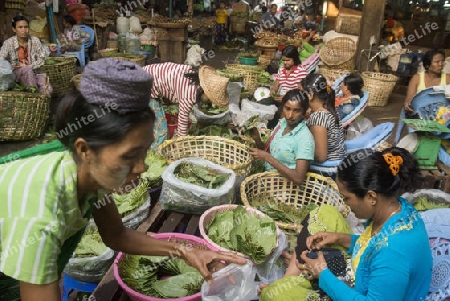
{"points": [[158, 221]]}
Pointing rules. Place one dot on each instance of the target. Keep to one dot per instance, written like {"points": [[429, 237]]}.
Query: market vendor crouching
{"points": [[26, 55], [290, 148], [185, 86]]}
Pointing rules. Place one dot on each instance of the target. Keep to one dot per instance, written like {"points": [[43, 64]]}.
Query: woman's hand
{"points": [[312, 267], [208, 262], [321, 239], [258, 154], [278, 98]]}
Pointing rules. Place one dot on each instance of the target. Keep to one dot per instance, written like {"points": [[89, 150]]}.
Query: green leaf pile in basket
{"points": [[129, 202], [279, 211], [90, 245], [200, 175], [171, 109], [160, 276], [212, 109], [241, 231], [264, 78]]}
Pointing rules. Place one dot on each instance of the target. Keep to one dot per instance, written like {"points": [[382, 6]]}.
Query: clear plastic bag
{"points": [[7, 77], [134, 219], [222, 288], [135, 25], [184, 197], [433, 195], [90, 269], [219, 119], [358, 128], [274, 267]]}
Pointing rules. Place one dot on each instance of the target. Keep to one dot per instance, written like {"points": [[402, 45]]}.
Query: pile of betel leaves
{"points": [[200, 175]]}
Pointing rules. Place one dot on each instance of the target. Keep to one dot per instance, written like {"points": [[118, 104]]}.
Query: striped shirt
{"points": [[335, 134], [169, 82], [39, 212], [291, 81]]}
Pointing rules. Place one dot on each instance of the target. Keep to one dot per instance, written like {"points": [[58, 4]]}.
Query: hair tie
{"points": [[394, 162]]}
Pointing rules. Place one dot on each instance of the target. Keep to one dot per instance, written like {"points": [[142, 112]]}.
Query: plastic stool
{"points": [[70, 284]]}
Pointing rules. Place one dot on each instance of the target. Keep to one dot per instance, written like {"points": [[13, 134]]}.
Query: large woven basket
{"points": [[379, 86], [23, 115], [332, 74], [193, 241], [76, 80], [316, 189], [140, 59], [226, 152], [61, 73], [338, 53], [207, 217], [249, 72]]}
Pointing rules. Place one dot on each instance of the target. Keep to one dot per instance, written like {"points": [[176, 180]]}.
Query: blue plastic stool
{"points": [[70, 284]]}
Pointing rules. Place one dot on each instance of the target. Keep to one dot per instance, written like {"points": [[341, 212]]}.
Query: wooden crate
{"points": [[178, 52], [436, 178], [178, 34], [164, 50]]}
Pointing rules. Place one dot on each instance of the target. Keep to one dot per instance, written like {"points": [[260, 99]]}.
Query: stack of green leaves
{"points": [[264, 78], [212, 109], [211, 130], [241, 231], [159, 276], [151, 178], [200, 175], [91, 244], [279, 211], [171, 109], [423, 204]]}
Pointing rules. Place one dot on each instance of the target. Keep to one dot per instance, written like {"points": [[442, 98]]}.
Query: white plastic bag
{"points": [[358, 128], [222, 288], [135, 25], [189, 198], [433, 195], [219, 119], [253, 108], [134, 219], [90, 269], [7, 78]]}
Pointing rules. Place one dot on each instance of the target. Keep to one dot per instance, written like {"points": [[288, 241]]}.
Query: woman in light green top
{"points": [[47, 200]]}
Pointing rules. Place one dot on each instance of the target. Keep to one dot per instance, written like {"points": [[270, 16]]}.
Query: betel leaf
{"points": [[178, 286]]}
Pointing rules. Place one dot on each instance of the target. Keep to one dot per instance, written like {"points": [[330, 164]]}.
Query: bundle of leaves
{"points": [[200, 175], [241, 231], [160, 276], [212, 109], [423, 203], [264, 78], [91, 244], [232, 76], [249, 54], [51, 61], [171, 109], [279, 211], [128, 202], [21, 87], [211, 130]]}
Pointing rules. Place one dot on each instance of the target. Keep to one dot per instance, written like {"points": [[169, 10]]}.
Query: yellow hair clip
{"points": [[394, 162]]}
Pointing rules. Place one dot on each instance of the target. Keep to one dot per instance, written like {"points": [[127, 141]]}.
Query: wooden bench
{"points": [[158, 221]]}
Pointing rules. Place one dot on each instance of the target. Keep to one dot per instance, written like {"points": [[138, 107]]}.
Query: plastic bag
{"points": [[250, 109], [194, 56], [219, 119], [7, 77], [358, 128], [90, 269], [134, 219], [135, 25], [221, 288], [433, 195], [184, 197], [274, 267]]}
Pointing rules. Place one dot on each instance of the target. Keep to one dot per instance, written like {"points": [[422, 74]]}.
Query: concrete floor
{"points": [[377, 115]]}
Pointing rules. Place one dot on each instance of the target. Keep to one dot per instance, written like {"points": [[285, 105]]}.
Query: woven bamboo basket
{"points": [[226, 152], [332, 74], [316, 189], [264, 61], [23, 115], [379, 86], [338, 53], [61, 73], [140, 59], [249, 72], [76, 80]]}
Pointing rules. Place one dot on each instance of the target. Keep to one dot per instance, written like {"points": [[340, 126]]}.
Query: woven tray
{"points": [[23, 115], [379, 86], [338, 53], [316, 189], [226, 152], [61, 73]]}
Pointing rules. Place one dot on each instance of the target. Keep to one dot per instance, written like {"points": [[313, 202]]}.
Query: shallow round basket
{"points": [[138, 59], [249, 72], [379, 86], [207, 217], [226, 152], [23, 115], [195, 241], [316, 189], [338, 53], [61, 73], [76, 80]]}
